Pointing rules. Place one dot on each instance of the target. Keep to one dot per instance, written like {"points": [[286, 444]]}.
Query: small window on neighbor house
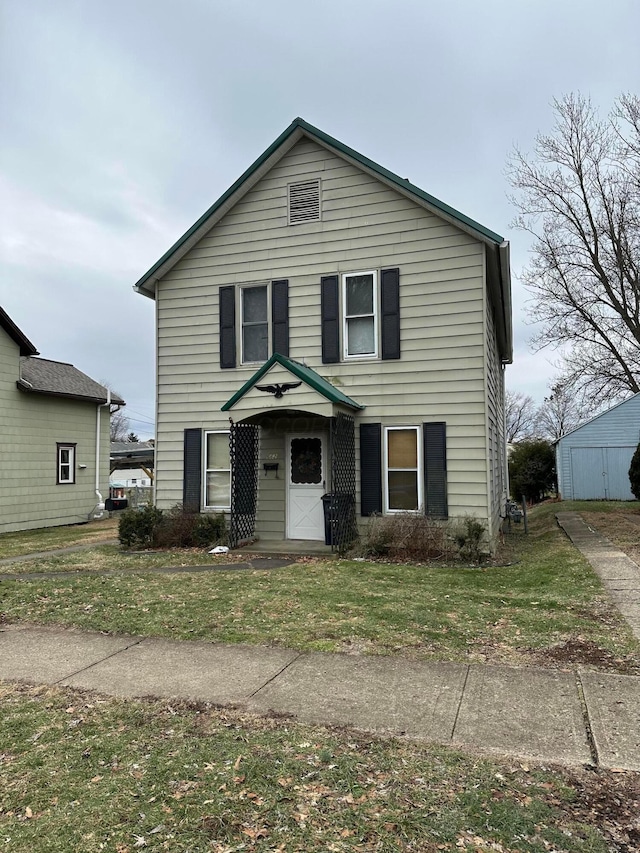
{"points": [[255, 323], [403, 486], [360, 300], [304, 202], [66, 463], [217, 470]]}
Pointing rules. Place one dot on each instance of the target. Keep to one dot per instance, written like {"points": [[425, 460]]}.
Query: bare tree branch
{"points": [[578, 195]]}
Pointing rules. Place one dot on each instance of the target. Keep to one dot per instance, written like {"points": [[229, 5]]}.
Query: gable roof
{"points": [[26, 347], [635, 396], [58, 379], [300, 371], [499, 277]]}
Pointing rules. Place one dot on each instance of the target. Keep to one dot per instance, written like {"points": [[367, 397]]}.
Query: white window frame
{"points": [[345, 317], [418, 470], [241, 290], [71, 464], [206, 470]]}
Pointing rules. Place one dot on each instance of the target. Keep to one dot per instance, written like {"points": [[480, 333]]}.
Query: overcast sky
{"points": [[122, 121]]}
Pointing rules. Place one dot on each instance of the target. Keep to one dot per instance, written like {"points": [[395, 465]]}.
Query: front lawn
{"points": [[50, 538], [545, 606], [79, 772]]}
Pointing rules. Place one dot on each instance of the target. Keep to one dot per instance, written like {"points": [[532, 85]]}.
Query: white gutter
{"points": [[99, 508]]}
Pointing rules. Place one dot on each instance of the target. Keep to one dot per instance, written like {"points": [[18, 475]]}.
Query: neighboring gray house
{"points": [[54, 437], [327, 327], [593, 460]]}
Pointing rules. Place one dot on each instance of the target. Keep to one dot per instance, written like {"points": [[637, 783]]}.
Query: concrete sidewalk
{"points": [[618, 573], [571, 717]]}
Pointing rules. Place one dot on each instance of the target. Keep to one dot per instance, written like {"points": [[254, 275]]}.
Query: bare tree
{"points": [[563, 410], [119, 425], [521, 416], [579, 197]]}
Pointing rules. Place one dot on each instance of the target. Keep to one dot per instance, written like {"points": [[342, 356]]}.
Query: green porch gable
{"points": [[302, 372]]}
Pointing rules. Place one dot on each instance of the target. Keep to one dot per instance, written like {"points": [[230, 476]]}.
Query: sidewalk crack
{"points": [[464, 687], [587, 722], [97, 662], [276, 675]]}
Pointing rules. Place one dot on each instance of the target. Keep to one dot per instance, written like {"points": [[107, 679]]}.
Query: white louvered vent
{"points": [[304, 202]]}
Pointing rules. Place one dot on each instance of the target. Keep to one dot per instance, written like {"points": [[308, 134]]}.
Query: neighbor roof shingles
{"points": [[42, 376]]}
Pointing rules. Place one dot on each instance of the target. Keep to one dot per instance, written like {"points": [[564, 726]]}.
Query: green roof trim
{"points": [[300, 124], [301, 371]]}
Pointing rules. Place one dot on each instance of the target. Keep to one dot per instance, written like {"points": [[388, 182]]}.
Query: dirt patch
{"points": [[610, 801], [585, 653]]}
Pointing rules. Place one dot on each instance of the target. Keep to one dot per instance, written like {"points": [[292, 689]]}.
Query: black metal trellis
{"points": [[342, 499], [243, 450]]}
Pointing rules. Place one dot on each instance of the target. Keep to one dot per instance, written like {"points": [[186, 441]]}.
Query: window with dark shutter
{"points": [[390, 299], [330, 308], [435, 469], [280, 316], [227, 327], [370, 469], [192, 476]]}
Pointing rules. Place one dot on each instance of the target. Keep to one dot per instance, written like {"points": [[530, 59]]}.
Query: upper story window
{"points": [[360, 300], [66, 464], [255, 323], [304, 202]]}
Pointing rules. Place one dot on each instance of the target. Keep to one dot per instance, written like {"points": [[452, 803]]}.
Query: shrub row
{"points": [[150, 527]]}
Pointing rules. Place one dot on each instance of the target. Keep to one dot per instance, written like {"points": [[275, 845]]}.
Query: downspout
{"points": [[98, 510]]}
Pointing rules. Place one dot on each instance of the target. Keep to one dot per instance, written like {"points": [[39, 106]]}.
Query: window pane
{"points": [[255, 305], [255, 343], [306, 460], [218, 488], [403, 450], [360, 336], [218, 451], [360, 294], [403, 490], [64, 456], [64, 472]]}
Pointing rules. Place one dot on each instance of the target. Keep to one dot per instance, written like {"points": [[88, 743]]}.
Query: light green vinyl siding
{"points": [[365, 226], [30, 427]]}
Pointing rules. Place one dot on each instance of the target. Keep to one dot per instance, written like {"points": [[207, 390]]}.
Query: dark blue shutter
{"points": [[390, 299], [330, 310], [227, 327], [280, 316], [192, 482], [370, 469], [435, 469]]}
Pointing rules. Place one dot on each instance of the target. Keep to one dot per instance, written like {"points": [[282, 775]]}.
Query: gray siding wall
{"points": [[496, 457], [30, 427], [365, 225], [593, 460]]}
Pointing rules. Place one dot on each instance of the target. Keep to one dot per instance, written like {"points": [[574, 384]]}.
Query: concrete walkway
{"points": [[618, 573], [570, 717]]}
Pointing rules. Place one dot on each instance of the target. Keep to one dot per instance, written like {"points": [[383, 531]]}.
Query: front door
{"points": [[306, 479]]}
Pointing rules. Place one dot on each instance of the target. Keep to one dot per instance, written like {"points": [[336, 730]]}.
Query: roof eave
{"points": [[27, 388]]}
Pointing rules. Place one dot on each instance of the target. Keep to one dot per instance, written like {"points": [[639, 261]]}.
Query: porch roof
{"points": [[302, 372]]}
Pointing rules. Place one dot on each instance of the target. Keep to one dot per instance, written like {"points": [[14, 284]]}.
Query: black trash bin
{"points": [[337, 508]]}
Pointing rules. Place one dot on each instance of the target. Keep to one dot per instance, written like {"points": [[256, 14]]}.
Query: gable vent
{"points": [[304, 202]]}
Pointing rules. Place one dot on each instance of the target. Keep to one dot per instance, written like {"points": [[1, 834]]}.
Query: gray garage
{"points": [[593, 460]]}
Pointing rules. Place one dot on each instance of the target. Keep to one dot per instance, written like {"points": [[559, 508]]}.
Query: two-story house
{"points": [[327, 327]]}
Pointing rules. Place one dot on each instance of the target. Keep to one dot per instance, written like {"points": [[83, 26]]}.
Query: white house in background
{"points": [[592, 461], [54, 437], [329, 329]]}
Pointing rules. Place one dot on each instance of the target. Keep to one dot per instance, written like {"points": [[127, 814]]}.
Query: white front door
{"points": [[306, 483]]}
